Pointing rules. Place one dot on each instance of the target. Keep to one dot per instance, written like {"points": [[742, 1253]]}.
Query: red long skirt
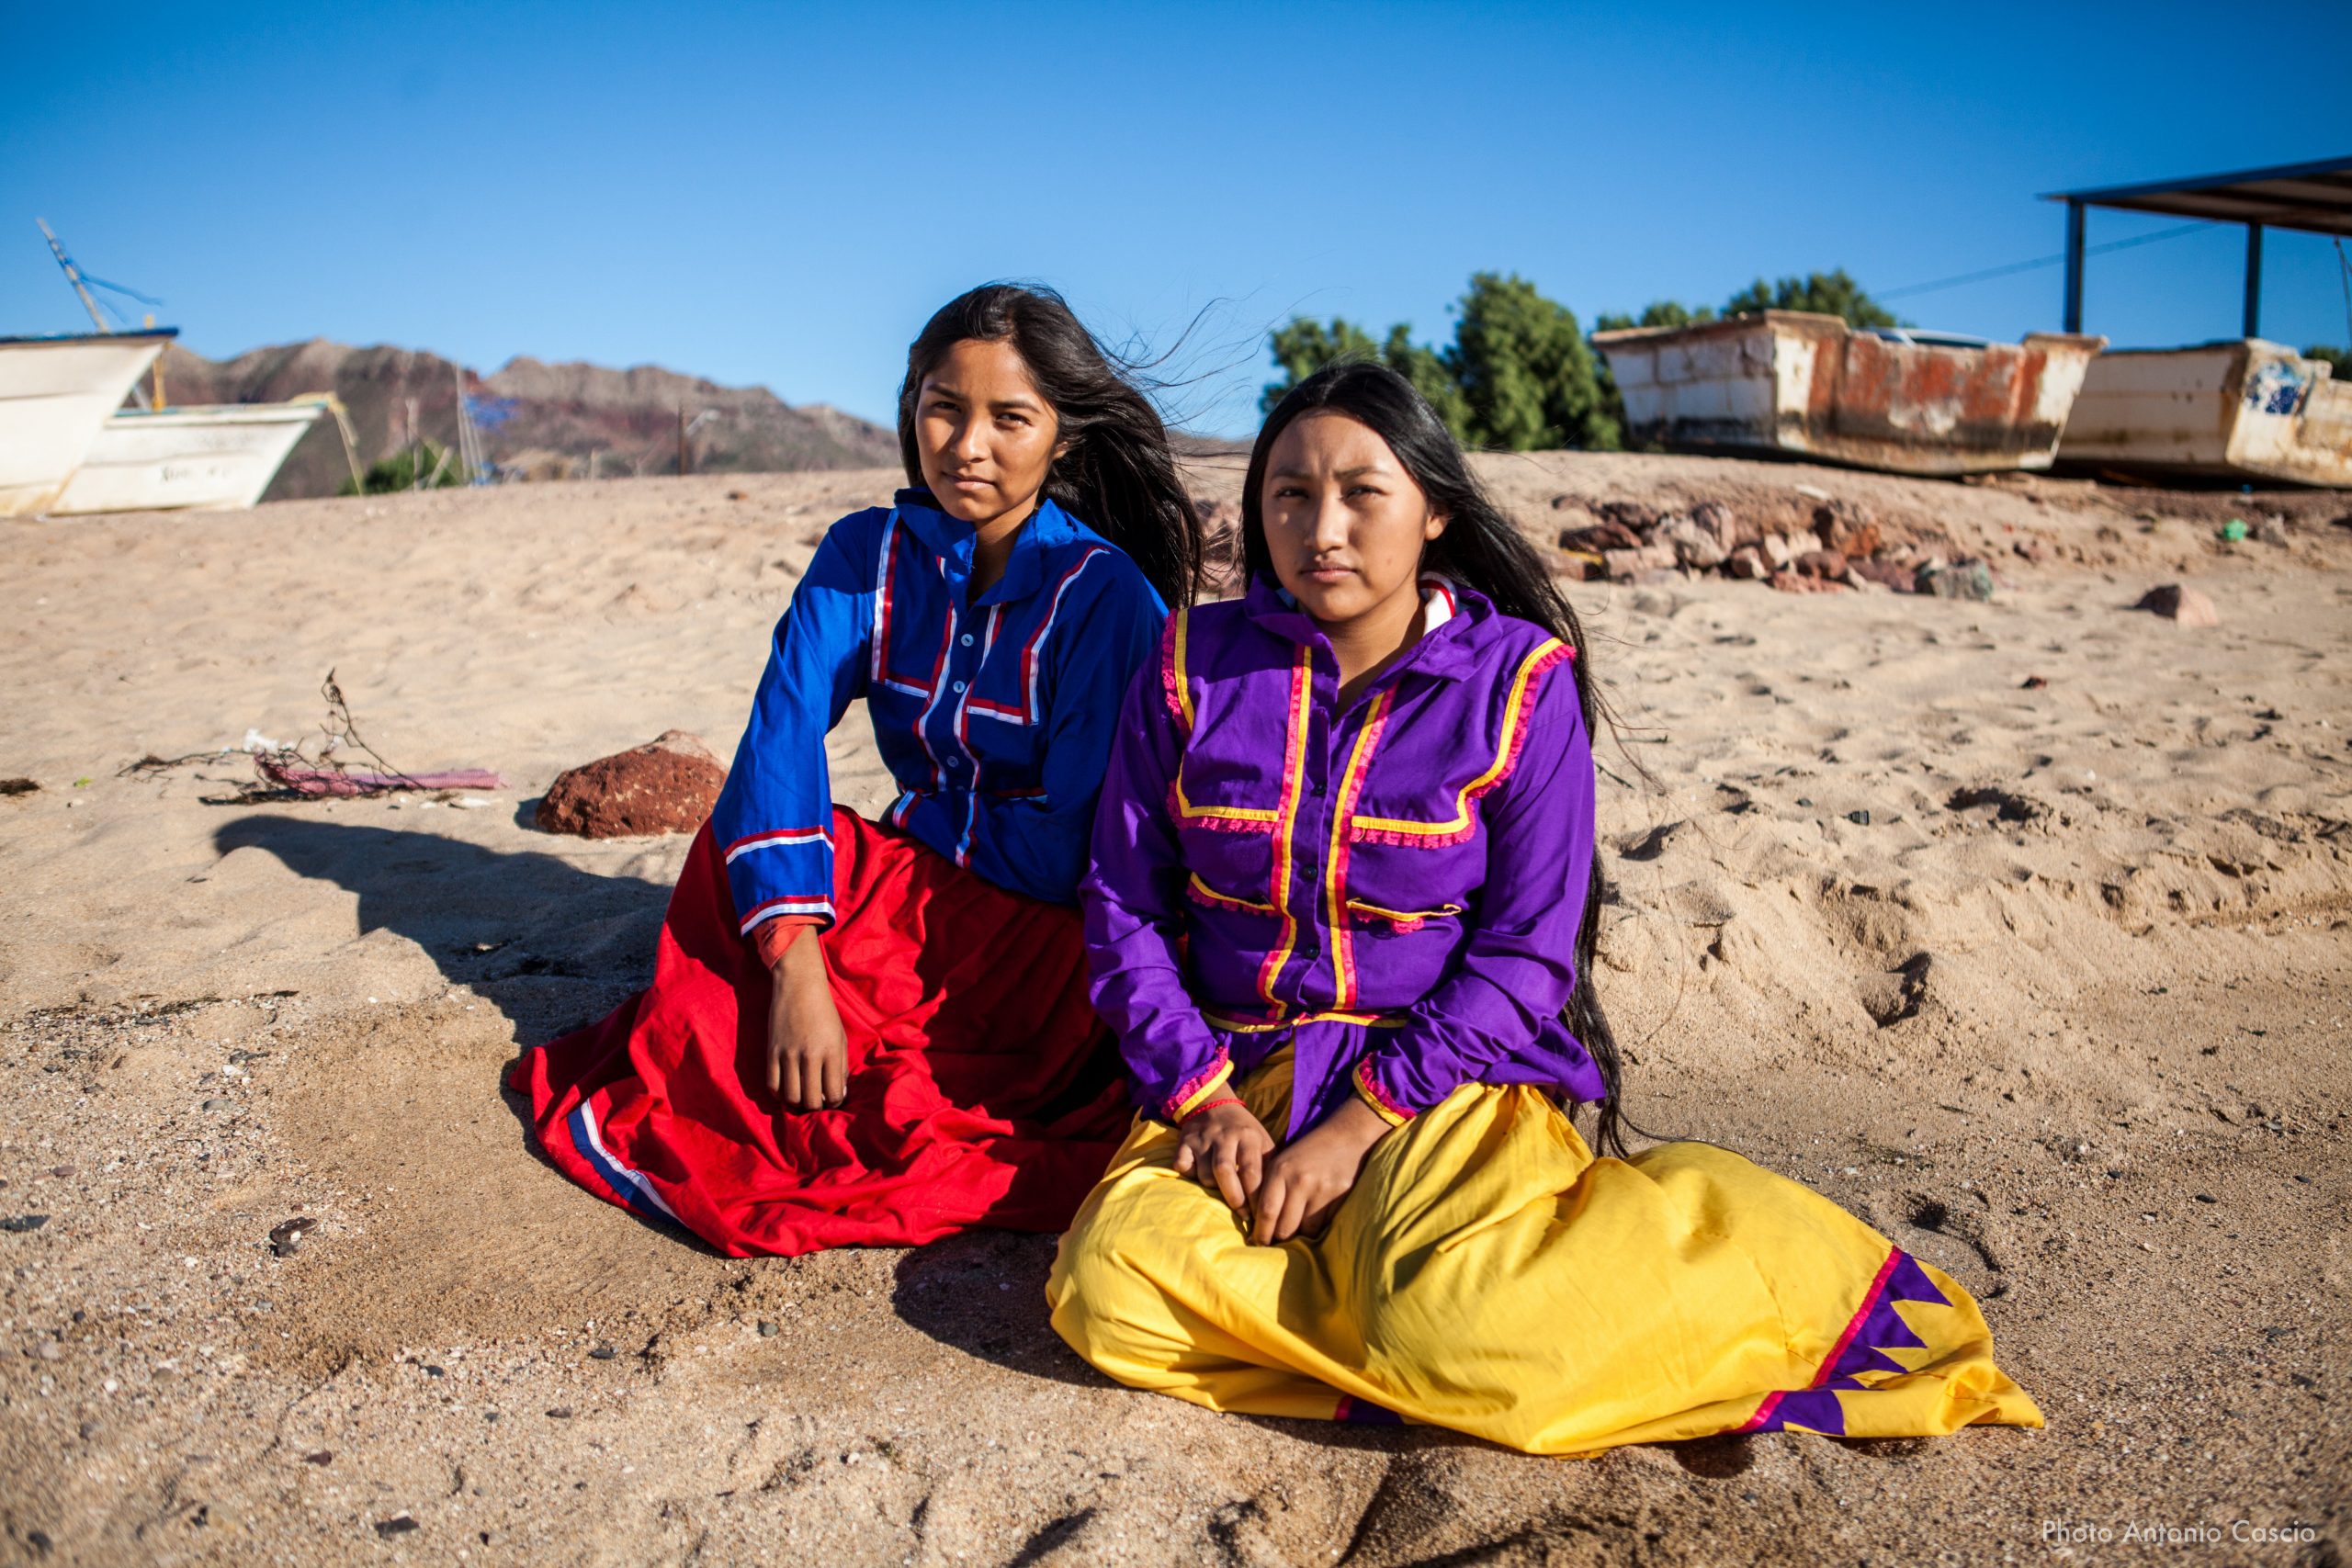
{"points": [[982, 1091]]}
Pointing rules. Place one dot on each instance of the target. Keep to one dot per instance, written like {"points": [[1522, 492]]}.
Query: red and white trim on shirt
{"points": [[781, 838], [938, 686], [790, 904], [964, 742], [1032, 674], [1439, 605], [878, 670]]}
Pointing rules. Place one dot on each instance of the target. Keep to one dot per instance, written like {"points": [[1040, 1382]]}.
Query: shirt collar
{"points": [[1451, 618], [950, 537]]}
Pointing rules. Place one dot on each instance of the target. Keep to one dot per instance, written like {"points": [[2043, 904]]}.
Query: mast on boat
{"points": [[81, 291]]}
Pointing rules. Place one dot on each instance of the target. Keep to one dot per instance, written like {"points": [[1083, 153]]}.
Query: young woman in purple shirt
{"points": [[1342, 917]]}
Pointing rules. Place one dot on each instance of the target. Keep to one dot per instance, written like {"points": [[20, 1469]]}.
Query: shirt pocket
{"points": [[1392, 890], [1229, 869]]}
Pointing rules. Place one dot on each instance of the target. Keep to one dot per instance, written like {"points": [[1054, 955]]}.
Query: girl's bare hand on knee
{"points": [[1226, 1147], [808, 1049], [1305, 1181]]}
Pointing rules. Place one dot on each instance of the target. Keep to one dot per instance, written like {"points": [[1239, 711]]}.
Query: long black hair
{"points": [[1117, 473], [1480, 549]]}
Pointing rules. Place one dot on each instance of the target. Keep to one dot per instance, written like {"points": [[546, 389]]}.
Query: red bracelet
{"points": [[1211, 1105]]}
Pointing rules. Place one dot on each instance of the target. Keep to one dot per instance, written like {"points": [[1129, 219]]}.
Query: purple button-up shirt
{"points": [[1393, 889]]}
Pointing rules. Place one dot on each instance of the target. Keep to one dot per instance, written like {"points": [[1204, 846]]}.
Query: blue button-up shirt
{"points": [[993, 713]]}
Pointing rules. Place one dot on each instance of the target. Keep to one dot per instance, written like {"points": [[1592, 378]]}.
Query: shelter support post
{"points": [[2074, 266], [2253, 280]]}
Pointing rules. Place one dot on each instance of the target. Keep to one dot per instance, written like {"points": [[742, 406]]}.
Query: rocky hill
{"points": [[543, 421]]}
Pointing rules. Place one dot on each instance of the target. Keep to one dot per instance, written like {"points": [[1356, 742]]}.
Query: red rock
{"points": [[1885, 573], [1748, 563], [1847, 528], [1600, 537], [1793, 582], [1823, 563], [666, 786], [1639, 517], [2185, 607]]}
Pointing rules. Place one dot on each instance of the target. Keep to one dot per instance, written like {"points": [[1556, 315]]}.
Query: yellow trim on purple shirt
{"points": [[1368, 1090], [1203, 1095], [1343, 805], [1302, 691], [1263, 1025], [1508, 748]]}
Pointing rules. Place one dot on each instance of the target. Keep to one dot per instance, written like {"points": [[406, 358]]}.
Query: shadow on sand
{"points": [[551, 946]]}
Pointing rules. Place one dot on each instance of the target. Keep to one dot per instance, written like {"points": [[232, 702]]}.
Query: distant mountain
{"points": [[544, 421]]}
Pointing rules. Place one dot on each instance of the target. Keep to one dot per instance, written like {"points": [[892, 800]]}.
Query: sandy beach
{"points": [[2049, 982]]}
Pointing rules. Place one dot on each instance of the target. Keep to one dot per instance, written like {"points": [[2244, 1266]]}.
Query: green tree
{"points": [[428, 467], [2339, 358], [1426, 368], [1830, 293], [1525, 370], [1304, 346], [1657, 313]]}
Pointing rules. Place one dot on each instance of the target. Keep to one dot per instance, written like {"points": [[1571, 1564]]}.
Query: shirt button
{"points": [[968, 640], [959, 685], [954, 761]]}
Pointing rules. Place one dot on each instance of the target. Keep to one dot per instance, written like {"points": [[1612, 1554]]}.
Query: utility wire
{"points": [[2345, 266], [1991, 272]]}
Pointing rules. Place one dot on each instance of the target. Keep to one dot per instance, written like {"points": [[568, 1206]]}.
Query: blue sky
{"points": [[779, 194]]}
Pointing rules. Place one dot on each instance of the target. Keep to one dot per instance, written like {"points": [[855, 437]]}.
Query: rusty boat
{"points": [[2243, 408], [1796, 384]]}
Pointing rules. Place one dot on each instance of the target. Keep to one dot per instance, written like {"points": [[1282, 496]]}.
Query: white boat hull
{"points": [[2243, 408], [1800, 384], [55, 393], [186, 459]]}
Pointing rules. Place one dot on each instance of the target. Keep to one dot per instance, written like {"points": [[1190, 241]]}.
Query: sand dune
{"points": [[2065, 1015]]}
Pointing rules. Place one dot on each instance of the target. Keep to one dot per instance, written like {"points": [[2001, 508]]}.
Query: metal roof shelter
{"points": [[2314, 198]]}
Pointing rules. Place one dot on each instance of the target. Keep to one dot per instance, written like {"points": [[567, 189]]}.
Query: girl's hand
{"points": [[1228, 1148], [1305, 1181], [808, 1049]]}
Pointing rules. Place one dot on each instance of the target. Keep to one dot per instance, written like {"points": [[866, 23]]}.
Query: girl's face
{"points": [[987, 437], [1345, 523]]}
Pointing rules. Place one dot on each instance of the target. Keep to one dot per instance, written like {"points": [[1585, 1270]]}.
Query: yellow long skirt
{"points": [[1488, 1274]]}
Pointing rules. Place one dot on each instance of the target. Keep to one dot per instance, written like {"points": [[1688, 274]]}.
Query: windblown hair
{"points": [[1480, 549], [1118, 475]]}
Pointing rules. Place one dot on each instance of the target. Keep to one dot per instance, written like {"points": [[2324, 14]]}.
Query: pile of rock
{"points": [[1842, 545]]}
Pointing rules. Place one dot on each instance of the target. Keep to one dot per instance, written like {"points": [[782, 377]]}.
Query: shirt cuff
{"points": [[772, 939], [1199, 1089], [1370, 1090]]}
